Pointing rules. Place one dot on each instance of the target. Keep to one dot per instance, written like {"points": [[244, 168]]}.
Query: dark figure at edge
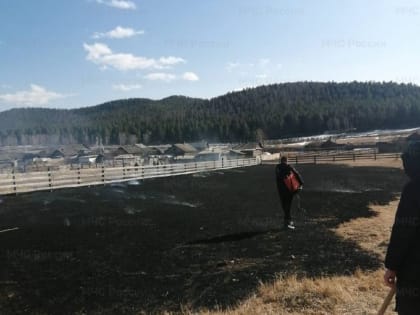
{"points": [[403, 256], [286, 197]]}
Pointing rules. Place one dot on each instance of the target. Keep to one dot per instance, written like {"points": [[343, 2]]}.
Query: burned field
{"points": [[197, 242]]}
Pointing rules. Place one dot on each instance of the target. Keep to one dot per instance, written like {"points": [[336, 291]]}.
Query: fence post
{"points": [[296, 159], [49, 178], [78, 175], [354, 157], [314, 159], [374, 155], [14, 181], [103, 174]]}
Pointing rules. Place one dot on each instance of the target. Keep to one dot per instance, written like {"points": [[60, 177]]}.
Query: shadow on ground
{"points": [[196, 241]]}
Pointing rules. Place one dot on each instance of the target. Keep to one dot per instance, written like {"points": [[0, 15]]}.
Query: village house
{"points": [[328, 145], [127, 160], [138, 153], [182, 150], [251, 149], [36, 157], [129, 149], [200, 145], [69, 152]]}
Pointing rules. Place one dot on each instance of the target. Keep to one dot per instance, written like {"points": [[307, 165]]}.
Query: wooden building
{"points": [[181, 149]]}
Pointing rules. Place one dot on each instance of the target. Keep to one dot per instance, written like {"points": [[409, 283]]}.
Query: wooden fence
{"points": [[14, 182], [308, 158]]}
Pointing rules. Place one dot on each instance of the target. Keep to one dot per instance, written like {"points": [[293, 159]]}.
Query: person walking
{"points": [[402, 260], [289, 182]]}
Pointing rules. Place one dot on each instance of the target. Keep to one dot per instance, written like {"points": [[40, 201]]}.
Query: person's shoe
{"points": [[289, 226]]}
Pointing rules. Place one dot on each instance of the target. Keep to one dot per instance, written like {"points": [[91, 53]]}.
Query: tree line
{"points": [[269, 111]]}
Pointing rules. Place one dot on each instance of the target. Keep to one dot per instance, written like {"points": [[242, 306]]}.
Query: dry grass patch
{"points": [[372, 233], [360, 293]]}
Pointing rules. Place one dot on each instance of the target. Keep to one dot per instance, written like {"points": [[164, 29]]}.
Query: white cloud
{"points": [[126, 87], [169, 77], [161, 76], [119, 4], [96, 51], [103, 56], [190, 76], [36, 96], [119, 32], [169, 61]]}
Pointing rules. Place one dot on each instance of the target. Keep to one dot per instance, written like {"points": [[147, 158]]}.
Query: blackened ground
{"points": [[202, 241]]}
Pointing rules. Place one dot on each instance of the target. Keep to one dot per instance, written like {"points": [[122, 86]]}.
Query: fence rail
{"points": [[344, 156], [14, 183]]}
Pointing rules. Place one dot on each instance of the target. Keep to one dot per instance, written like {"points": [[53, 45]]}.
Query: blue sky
{"points": [[67, 54]]}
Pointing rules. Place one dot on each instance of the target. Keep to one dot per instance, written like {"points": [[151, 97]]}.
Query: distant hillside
{"points": [[272, 111]]}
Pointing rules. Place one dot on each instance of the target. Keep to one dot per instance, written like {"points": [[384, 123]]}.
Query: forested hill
{"points": [[276, 111]]}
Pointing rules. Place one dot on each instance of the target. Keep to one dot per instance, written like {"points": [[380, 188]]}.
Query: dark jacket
{"points": [[403, 255], [282, 170]]}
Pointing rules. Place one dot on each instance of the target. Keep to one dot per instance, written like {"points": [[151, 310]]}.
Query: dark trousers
{"points": [[286, 203], [408, 299]]}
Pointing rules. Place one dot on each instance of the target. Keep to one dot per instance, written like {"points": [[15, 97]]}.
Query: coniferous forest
{"points": [[272, 111]]}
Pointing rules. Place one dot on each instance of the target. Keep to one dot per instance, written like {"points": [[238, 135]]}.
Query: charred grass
{"points": [[200, 244]]}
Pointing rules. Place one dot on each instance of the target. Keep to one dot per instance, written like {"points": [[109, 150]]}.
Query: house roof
{"points": [[250, 146], [71, 149], [131, 149], [161, 148], [328, 144], [185, 147], [331, 144], [200, 145]]}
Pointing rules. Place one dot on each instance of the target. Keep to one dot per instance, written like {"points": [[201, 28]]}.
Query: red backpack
{"points": [[291, 182]]}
